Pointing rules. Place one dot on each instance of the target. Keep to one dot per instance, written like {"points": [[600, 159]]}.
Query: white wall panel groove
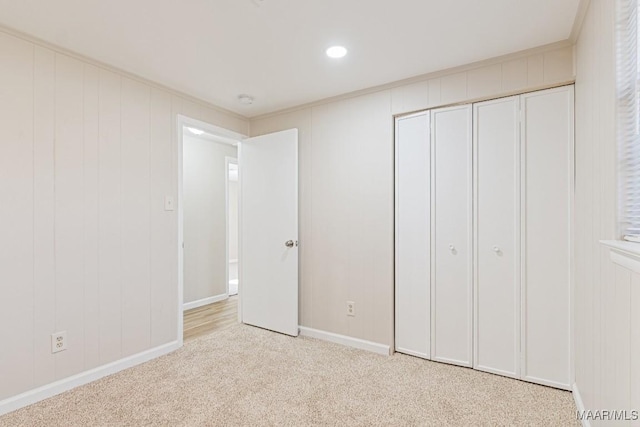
{"points": [[91, 141], [44, 225], [135, 225], [69, 214]]}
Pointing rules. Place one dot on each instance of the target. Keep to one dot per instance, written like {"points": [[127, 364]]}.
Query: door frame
{"points": [[224, 136], [229, 161]]}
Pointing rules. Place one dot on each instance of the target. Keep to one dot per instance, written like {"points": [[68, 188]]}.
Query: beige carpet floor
{"points": [[244, 376]]}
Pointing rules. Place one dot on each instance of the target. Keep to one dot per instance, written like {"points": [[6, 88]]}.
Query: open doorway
{"points": [[209, 229], [267, 231], [232, 225]]}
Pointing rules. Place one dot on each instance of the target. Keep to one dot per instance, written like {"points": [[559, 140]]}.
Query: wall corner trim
{"points": [[345, 340], [581, 13], [579, 404], [49, 390]]}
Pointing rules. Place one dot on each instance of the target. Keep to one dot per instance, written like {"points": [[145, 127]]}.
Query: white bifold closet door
{"points": [[413, 245], [547, 151], [497, 231], [484, 201], [451, 249]]}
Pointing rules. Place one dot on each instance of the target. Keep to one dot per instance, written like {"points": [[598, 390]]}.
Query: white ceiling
{"points": [[217, 49]]}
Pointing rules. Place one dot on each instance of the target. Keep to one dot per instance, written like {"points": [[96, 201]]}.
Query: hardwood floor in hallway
{"points": [[208, 318]]}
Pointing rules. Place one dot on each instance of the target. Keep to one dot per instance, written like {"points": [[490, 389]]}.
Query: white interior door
{"points": [[413, 213], [451, 210], [497, 228], [547, 142], [269, 231]]}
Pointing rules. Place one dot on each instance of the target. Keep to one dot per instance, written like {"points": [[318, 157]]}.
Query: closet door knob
{"points": [[452, 248], [496, 249]]}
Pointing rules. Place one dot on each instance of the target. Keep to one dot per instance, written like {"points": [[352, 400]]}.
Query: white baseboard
{"points": [[203, 301], [345, 340], [579, 403], [46, 391]]}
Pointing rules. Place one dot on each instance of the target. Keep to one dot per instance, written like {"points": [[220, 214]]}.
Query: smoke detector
{"points": [[245, 99]]}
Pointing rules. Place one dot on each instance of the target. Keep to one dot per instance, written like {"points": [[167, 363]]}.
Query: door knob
{"points": [[496, 249], [289, 243], [452, 248]]}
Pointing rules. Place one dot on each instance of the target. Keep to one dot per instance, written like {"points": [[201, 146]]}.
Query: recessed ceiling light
{"points": [[336, 51], [195, 131], [245, 99]]}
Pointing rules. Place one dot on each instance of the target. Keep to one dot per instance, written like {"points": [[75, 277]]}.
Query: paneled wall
{"points": [[605, 303], [346, 184], [86, 157], [608, 377]]}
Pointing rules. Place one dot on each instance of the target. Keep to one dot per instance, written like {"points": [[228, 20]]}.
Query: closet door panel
{"points": [[547, 136], [412, 252], [497, 285], [451, 292]]}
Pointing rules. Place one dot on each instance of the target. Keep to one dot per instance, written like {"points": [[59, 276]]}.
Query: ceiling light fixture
{"points": [[195, 131], [245, 99], [336, 51]]}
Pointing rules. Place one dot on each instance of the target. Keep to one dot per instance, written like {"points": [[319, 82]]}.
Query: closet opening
{"points": [[480, 191]]}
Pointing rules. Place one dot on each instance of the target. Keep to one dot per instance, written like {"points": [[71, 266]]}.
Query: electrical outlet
{"points": [[58, 341], [351, 308]]}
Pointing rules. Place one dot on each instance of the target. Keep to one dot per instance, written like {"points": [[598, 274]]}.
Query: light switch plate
{"points": [[169, 204]]}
